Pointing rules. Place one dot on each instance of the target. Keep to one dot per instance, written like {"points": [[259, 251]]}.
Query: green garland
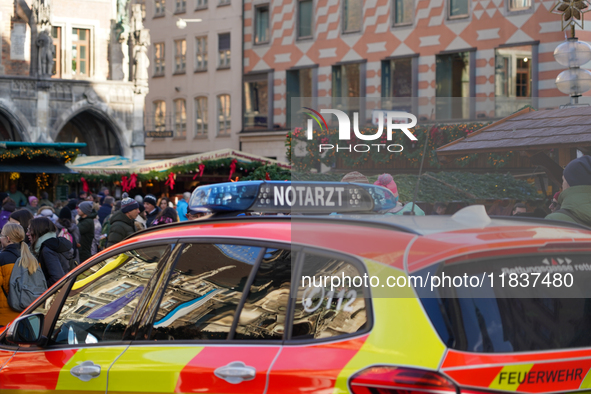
{"points": [[36, 153], [243, 171]]}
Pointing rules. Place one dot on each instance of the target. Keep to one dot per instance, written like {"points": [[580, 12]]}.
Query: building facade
{"points": [[195, 100], [74, 71], [440, 59]]}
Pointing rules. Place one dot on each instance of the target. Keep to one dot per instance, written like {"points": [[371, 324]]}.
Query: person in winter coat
{"points": [[575, 198], [152, 209], [7, 209], [53, 253], [63, 224], [183, 206], [13, 247], [33, 205], [22, 217], [95, 248], [168, 215], [105, 209], [122, 221], [86, 227]]}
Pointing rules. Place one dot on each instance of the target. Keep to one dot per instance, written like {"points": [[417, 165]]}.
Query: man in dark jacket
{"points": [[151, 209], [122, 221], [575, 198], [86, 227], [106, 209], [54, 258]]}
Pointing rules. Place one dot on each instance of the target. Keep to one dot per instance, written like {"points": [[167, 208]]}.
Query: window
{"points": [[180, 56], [159, 8], [513, 78], [452, 76], [299, 84], [56, 34], [159, 116], [224, 2], [305, 18], [180, 118], [321, 312], [80, 52], [200, 53], [159, 59], [180, 6], [403, 12], [201, 4], [208, 280], [261, 27], [352, 15], [224, 50], [87, 316], [120, 289], [397, 83], [517, 5], [256, 102], [458, 8], [201, 117], [224, 114], [346, 88]]}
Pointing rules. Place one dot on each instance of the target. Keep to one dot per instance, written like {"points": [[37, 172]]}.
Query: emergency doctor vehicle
{"points": [[251, 304]]}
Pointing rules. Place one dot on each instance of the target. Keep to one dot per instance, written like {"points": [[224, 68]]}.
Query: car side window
{"points": [[204, 291], [103, 297], [264, 311], [322, 311]]}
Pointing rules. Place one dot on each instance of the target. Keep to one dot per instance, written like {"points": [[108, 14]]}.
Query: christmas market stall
{"points": [[37, 167], [172, 177]]}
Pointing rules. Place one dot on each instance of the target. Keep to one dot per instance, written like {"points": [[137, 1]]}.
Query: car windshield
{"points": [[534, 302]]}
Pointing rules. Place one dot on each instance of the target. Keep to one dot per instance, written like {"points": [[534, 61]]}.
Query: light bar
{"points": [[292, 197]]}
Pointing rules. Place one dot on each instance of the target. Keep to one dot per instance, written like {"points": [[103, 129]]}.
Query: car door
{"points": [[85, 322], [218, 325]]}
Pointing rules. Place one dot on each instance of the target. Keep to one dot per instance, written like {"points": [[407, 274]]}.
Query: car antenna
{"points": [[416, 193]]}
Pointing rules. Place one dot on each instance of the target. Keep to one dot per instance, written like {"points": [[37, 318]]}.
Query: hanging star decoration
{"points": [[571, 12]]}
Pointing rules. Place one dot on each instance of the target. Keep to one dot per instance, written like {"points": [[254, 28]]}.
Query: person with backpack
{"points": [[69, 230], [55, 254], [87, 214], [18, 267]]}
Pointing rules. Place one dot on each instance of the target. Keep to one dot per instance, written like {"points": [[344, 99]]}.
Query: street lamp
{"points": [[182, 23]]}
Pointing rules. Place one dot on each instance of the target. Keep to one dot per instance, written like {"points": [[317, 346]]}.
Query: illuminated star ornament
{"points": [[571, 12]]}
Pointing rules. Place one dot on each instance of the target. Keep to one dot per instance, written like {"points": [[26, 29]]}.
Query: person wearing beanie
{"points": [[45, 200], [355, 177], [47, 212], [8, 207], [86, 227], [105, 209], [33, 205], [387, 181], [575, 198], [152, 210], [68, 229], [73, 205], [122, 222]]}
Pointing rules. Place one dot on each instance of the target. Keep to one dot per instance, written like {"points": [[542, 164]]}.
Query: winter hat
{"points": [[578, 171], [150, 199], [386, 180], [139, 199], [85, 207], [9, 205], [72, 204], [355, 177], [128, 205], [66, 213], [32, 198]]}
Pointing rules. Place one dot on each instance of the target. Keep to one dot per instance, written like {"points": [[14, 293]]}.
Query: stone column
{"points": [[138, 145]]}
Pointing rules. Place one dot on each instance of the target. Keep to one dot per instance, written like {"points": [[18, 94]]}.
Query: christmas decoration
{"points": [[170, 181], [14, 176], [84, 185], [232, 168], [42, 181], [36, 153]]}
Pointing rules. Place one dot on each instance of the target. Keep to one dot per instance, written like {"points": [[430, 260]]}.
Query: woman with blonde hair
{"points": [[13, 248]]}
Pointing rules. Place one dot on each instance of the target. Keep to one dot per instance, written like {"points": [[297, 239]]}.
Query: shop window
{"points": [[180, 118], [224, 124], [403, 12], [452, 75], [256, 102], [159, 59], [224, 50], [261, 24], [305, 18], [56, 34], [180, 56], [80, 52], [200, 53], [352, 15], [201, 117]]}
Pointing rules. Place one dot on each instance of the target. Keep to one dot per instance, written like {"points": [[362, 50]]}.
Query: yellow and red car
{"points": [[221, 305]]}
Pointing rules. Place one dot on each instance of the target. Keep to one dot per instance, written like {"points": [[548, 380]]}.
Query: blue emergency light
{"points": [[292, 197]]}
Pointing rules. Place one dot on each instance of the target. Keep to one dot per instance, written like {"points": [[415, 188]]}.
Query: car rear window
{"points": [[517, 316]]}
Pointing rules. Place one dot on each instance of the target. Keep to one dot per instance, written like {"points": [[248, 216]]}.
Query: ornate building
{"points": [[74, 71]]}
